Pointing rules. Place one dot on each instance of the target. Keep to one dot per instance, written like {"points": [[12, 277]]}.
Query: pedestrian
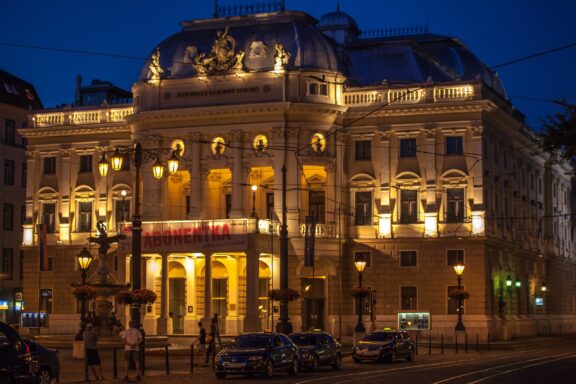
{"points": [[201, 339], [132, 340], [90, 338], [212, 337]]}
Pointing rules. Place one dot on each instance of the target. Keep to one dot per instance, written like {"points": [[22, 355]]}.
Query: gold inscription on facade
{"points": [[219, 92]]}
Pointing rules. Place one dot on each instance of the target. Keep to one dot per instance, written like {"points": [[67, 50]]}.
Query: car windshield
{"points": [[252, 341], [301, 339], [379, 336]]}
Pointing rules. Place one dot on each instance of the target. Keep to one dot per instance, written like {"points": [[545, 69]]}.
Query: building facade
{"points": [[17, 98], [404, 149]]}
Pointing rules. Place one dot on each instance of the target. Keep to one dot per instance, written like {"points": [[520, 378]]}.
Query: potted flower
{"points": [[84, 292], [459, 294], [136, 296], [287, 294], [360, 292]]}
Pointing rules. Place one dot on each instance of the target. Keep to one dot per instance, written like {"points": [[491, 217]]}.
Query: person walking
{"points": [[132, 340], [90, 338], [201, 339], [212, 337]]}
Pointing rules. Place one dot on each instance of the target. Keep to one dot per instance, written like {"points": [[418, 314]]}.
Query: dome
{"points": [[337, 19], [255, 35]]}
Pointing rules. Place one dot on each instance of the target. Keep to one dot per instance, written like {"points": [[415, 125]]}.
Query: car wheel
{"points": [[43, 376], [220, 375], [410, 356], [337, 363], [269, 370], [392, 357], [294, 368], [315, 364]]}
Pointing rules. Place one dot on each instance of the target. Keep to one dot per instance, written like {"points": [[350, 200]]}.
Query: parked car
{"points": [[47, 363], [264, 353], [16, 362], [317, 349], [384, 345]]}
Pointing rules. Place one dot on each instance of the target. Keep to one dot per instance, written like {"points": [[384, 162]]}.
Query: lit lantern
{"points": [[158, 169], [103, 166], [173, 163], [116, 160]]}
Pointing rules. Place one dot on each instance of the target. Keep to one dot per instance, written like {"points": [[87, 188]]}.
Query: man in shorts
{"points": [[132, 340]]}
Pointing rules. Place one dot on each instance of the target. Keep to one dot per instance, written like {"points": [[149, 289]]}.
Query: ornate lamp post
{"points": [[138, 155], [459, 269], [360, 263], [123, 194], [84, 260], [254, 189]]}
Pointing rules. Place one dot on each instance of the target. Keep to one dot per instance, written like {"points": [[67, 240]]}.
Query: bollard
{"points": [[416, 344], [456, 343], [114, 363], [143, 355], [477, 343], [430, 344], [442, 344], [167, 360], [191, 358], [85, 367], [488, 343], [466, 342]]}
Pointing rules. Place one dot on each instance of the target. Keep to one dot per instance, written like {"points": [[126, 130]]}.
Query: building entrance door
{"points": [[220, 302], [177, 303], [313, 305]]}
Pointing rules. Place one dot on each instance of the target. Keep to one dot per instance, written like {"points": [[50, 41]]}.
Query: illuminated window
{"points": [[84, 216], [122, 210]]}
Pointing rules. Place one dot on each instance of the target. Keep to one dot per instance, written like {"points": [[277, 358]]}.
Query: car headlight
{"points": [[255, 358]]}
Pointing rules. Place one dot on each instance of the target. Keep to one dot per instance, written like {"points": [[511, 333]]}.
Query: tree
{"points": [[559, 133]]}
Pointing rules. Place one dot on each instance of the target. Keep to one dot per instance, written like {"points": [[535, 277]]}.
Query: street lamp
{"points": [[360, 263], [84, 260], [254, 189], [508, 281], [518, 282], [543, 287], [123, 194], [138, 155], [459, 269]]}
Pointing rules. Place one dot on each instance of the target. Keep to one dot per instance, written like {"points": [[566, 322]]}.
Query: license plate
{"points": [[369, 353], [235, 365]]}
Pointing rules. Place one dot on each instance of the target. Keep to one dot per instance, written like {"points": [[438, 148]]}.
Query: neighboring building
{"points": [[17, 98], [99, 93], [404, 149]]}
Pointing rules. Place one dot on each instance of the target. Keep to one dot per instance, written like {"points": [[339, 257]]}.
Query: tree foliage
{"points": [[559, 133]]}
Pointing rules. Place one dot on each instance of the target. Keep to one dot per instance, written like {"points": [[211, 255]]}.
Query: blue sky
{"points": [[495, 30]]}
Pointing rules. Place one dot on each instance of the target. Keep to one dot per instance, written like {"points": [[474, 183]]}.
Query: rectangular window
{"points": [[408, 298], [46, 300], [85, 216], [455, 205], [22, 215], [452, 306], [313, 89], [363, 150], [408, 147], [324, 89], [122, 210], [49, 217], [10, 132], [269, 204], [455, 256], [86, 163], [363, 208], [408, 206], [9, 172], [316, 205], [408, 258], [49, 165], [8, 222], [7, 264], [24, 180], [454, 145], [228, 205]]}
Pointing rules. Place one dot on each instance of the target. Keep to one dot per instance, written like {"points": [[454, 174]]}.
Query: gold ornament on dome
{"points": [[222, 58], [318, 143], [281, 58], [155, 70]]}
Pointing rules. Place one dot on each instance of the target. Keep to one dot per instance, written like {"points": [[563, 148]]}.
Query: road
{"points": [[540, 361]]}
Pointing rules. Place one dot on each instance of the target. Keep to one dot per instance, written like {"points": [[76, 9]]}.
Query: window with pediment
{"points": [[84, 208]]}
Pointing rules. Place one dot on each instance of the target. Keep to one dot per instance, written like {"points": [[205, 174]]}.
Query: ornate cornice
{"points": [[74, 130], [429, 109]]}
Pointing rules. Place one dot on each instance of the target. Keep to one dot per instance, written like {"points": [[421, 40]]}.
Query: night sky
{"points": [[497, 31]]}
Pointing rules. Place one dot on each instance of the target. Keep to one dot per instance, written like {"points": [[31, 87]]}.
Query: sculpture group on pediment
{"points": [[155, 70], [281, 58], [222, 58]]}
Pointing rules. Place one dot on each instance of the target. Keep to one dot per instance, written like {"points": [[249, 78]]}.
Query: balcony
{"points": [[81, 116]]}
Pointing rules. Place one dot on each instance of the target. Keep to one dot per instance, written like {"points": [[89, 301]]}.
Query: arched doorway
{"points": [[220, 294], [265, 308], [177, 296], [313, 288]]}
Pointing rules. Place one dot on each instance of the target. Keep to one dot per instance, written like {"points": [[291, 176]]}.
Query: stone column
{"points": [[238, 189], [233, 293], [196, 177], [207, 288], [251, 321], [164, 322], [149, 318]]}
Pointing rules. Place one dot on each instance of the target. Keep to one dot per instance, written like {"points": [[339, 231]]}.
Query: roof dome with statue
{"points": [[250, 43]]}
